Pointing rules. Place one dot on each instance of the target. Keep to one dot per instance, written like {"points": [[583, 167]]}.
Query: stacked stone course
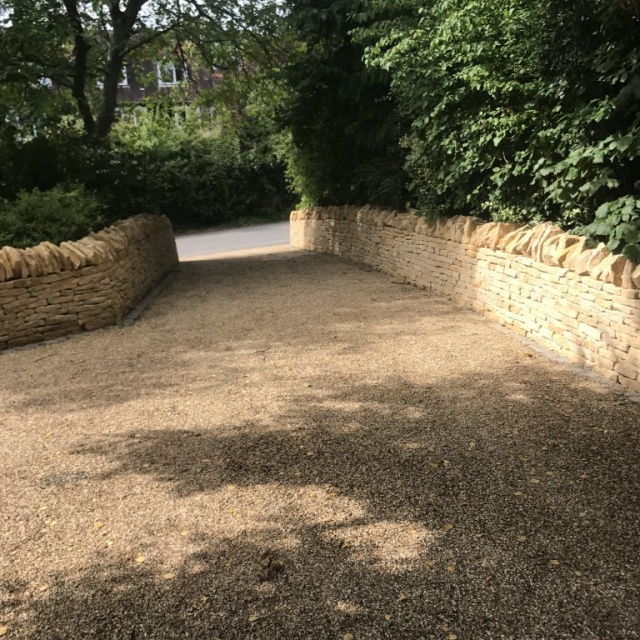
{"points": [[51, 291], [540, 282]]}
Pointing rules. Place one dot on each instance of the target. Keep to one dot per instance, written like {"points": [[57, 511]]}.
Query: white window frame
{"points": [[160, 66], [124, 81]]}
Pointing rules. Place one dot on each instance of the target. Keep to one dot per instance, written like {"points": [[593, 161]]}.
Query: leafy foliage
{"points": [[205, 177], [56, 215], [343, 131], [519, 109]]}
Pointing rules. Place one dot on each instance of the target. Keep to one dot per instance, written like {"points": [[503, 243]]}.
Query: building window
{"points": [[169, 75], [124, 78], [123, 82]]}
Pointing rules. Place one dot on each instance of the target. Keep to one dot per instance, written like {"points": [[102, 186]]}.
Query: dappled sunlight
{"points": [[236, 463], [388, 546], [275, 508]]}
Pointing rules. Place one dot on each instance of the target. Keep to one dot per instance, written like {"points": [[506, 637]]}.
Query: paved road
{"points": [[203, 244]]}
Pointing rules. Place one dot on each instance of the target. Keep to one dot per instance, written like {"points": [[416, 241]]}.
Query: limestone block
{"points": [[520, 245], [408, 222], [457, 229], [8, 266], [511, 238], [610, 270], [589, 259], [96, 250], [72, 255], [635, 277], [478, 236], [470, 226], [49, 256], [389, 220], [541, 233], [35, 262], [15, 262], [566, 246], [500, 230]]}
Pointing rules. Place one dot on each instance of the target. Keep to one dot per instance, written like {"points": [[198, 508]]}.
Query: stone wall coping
{"points": [[99, 248], [545, 243]]}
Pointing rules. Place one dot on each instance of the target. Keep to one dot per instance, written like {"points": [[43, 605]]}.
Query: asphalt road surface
{"points": [[211, 242]]}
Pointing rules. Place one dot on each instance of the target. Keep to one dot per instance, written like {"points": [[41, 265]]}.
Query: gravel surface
{"points": [[287, 446]]}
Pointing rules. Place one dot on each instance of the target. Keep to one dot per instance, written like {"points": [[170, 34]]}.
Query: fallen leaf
{"points": [[472, 445], [555, 563], [402, 597], [550, 473], [430, 563], [203, 599], [445, 626], [534, 481], [254, 617], [447, 527], [451, 568], [518, 493], [578, 573], [310, 453], [98, 525], [388, 617], [140, 558], [345, 545], [43, 587], [453, 636], [185, 533], [583, 514], [3, 631], [169, 576], [109, 543], [347, 636], [522, 538]]}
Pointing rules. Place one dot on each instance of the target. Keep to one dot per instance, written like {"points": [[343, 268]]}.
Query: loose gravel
{"points": [[287, 446]]}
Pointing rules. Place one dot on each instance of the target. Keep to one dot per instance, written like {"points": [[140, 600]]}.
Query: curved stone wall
{"points": [[50, 291], [541, 282]]}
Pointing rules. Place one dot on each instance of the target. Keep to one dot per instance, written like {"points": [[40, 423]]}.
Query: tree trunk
{"points": [[122, 25], [81, 50]]}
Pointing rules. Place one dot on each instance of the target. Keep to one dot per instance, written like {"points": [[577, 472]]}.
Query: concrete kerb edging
{"points": [[138, 310]]}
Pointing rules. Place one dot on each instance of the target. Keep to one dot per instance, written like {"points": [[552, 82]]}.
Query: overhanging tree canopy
{"points": [[78, 43]]}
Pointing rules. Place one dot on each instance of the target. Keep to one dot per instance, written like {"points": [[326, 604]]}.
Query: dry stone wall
{"points": [[541, 282], [50, 291]]}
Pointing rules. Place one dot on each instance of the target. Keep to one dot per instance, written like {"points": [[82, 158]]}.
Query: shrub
{"points": [[343, 131], [56, 215], [210, 178], [519, 109]]}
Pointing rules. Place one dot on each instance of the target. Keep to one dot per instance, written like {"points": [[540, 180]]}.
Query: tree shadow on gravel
{"points": [[435, 505]]}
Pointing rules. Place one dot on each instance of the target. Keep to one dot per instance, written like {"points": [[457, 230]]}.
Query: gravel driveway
{"points": [[287, 446]]}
